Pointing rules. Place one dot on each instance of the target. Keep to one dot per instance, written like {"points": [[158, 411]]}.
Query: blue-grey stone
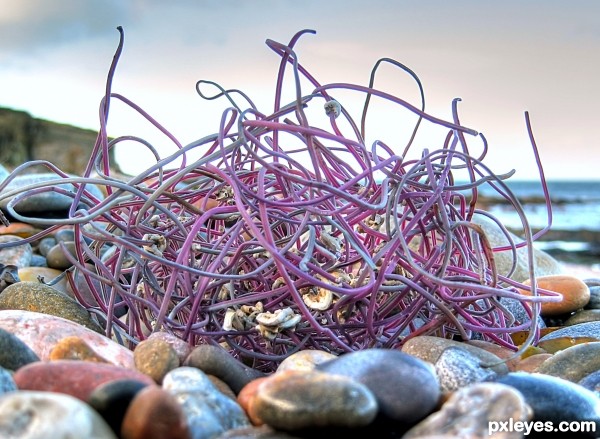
{"points": [[7, 384], [457, 368], [19, 255], [13, 352]]}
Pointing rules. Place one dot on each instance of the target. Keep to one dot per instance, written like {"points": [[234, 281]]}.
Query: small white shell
{"points": [[275, 318]]}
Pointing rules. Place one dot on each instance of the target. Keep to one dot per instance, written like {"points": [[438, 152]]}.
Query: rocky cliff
{"points": [[24, 138]]}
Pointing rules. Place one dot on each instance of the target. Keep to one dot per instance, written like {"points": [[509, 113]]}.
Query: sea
{"points": [[574, 233]]}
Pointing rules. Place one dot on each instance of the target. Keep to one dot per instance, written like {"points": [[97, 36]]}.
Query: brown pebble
{"points": [[22, 230], [75, 348], [531, 363], [246, 396], [155, 358], [575, 293], [154, 413]]}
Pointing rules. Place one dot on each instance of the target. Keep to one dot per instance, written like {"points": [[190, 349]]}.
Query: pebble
{"points": [[583, 316], [469, 411], [531, 363], [7, 383], [261, 432], [73, 377], [406, 388], [554, 399], [38, 297], [499, 351], [33, 414], [112, 399], [214, 360], [305, 360], [46, 244], [22, 230], [298, 399], [457, 368], [573, 363], [247, 395], [13, 352], [75, 348], [41, 332], [19, 255], [591, 382], [154, 413], [181, 347], [594, 302], [43, 202], [44, 275], [567, 336], [429, 348], [155, 358], [208, 412], [57, 257], [575, 293]]}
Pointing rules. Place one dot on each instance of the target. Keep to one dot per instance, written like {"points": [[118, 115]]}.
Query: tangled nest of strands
{"points": [[268, 249]]}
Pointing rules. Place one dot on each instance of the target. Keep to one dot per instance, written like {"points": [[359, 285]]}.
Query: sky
{"points": [[500, 58]]}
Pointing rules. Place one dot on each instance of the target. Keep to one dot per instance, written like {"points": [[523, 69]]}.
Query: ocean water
{"points": [[574, 234]]}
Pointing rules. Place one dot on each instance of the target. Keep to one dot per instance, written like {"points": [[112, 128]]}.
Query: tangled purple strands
{"points": [[286, 236]]}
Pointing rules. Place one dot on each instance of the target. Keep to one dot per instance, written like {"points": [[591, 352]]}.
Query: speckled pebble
{"points": [[570, 335], [44, 275], [38, 297], [216, 361], [154, 413], [155, 358], [305, 360], [13, 352], [181, 347], [32, 415], [573, 363], [57, 256], [208, 412], [406, 388], [19, 255], [299, 399], [457, 368], [469, 411]]}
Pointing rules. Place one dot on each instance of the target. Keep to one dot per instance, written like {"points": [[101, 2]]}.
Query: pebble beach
{"points": [[61, 376]]}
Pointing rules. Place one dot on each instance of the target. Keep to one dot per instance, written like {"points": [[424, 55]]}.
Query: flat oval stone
{"points": [[305, 360], [57, 256], [567, 336], [573, 363], [32, 414], [457, 368], [41, 332], [207, 409], [298, 399], [555, 399], [155, 358], [406, 388], [469, 412], [429, 348], [38, 297], [214, 360], [22, 230], [112, 399], [46, 201], [583, 316], [575, 293], [73, 377], [13, 352], [19, 255], [154, 413]]}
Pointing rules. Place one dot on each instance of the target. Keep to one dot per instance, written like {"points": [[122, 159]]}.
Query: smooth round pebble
{"points": [[299, 399], [305, 360], [469, 411], [112, 399], [181, 347], [154, 413], [57, 255], [73, 377], [13, 352], [573, 363], [75, 348], [575, 293], [406, 388], [64, 235], [594, 302], [457, 368], [155, 358], [214, 360], [46, 244], [38, 297], [583, 316], [31, 414]]}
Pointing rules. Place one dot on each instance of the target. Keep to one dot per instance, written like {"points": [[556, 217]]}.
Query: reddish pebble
{"points": [[72, 377], [154, 413], [155, 358], [247, 395], [575, 293]]}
